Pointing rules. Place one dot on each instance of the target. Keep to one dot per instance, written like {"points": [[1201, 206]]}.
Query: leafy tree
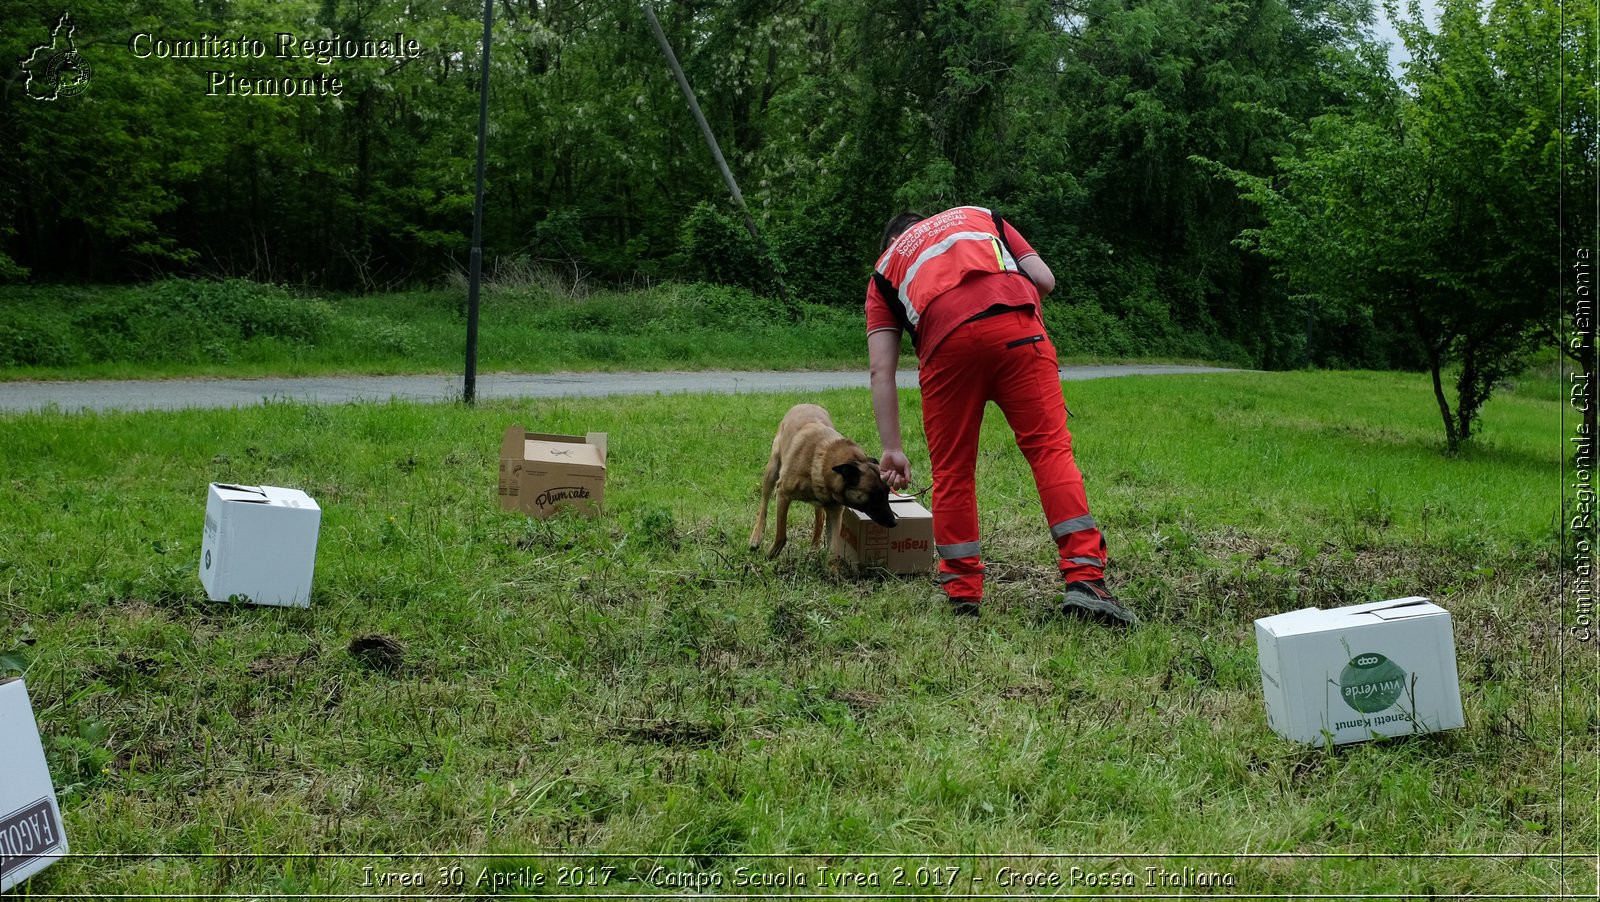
{"points": [[1153, 85], [1419, 205], [95, 172], [1079, 119]]}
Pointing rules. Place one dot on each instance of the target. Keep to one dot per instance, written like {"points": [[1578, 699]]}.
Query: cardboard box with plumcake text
{"points": [[908, 548], [30, 820], [541, 473], [1387, 668]]}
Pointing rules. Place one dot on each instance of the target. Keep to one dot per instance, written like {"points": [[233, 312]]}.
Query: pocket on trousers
{"points": [[1042, 348]]}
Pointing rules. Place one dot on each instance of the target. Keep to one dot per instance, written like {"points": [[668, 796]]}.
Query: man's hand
{"points": [[896, 469], [883, 352]]}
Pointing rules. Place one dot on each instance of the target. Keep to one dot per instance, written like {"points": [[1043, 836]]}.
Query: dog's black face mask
{"points": [[865, 491]]}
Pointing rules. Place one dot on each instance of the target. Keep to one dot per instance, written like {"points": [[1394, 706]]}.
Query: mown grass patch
{"points": [[640, 693]]}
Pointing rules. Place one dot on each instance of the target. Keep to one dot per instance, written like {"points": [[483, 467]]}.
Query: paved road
{"points": [[177, 394]]}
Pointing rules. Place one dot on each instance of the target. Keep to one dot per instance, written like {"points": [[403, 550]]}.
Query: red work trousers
{"points": [[1006, 358]]}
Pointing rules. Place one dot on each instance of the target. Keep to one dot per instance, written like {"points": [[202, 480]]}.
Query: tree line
{"points": [[1237, 179]]}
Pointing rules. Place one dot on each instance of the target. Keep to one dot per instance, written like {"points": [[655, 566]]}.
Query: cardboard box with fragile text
{"points": [[907, 548]]}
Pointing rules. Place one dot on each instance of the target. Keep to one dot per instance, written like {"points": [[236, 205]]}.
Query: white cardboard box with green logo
{"points": [[30, 821], [1387, 668]]}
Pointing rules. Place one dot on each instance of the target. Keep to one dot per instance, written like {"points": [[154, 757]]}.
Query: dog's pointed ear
{"points": [[850, 471]]}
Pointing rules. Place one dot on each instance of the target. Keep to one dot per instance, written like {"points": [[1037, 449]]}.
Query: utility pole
{"points": [[469, 391], [700, 119]]}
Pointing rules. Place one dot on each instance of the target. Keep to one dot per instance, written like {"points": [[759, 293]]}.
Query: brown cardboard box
{"points": [[540, 473], [908, 548]]}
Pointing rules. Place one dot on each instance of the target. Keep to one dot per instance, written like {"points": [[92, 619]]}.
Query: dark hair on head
{"points": [[896, 226]]}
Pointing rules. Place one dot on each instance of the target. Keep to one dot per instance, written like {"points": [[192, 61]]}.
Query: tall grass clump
{"points": [[181, 321]]}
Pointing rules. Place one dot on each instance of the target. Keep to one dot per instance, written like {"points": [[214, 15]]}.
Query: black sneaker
{"points": [[964, 607], [1091, 598]]}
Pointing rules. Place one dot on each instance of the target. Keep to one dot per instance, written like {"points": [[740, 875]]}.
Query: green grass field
{"points": [[640, 701]]}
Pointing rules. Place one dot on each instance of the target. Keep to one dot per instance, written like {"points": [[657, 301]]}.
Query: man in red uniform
{"points": [[967, 286]]}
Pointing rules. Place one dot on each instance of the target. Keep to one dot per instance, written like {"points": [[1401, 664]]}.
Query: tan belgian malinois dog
{"points": [[812, 462]]}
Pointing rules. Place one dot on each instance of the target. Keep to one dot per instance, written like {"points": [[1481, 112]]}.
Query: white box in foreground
{"points": [[1382, 669], [260, 544], [31, 836]]}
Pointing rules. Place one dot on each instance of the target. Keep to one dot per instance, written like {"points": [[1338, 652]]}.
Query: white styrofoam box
{"points": [[31, 834], [260, 544]]}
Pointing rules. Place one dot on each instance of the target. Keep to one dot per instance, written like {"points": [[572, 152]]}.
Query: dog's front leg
{"points": [[835, 514], [781, 524], [768, 480]]}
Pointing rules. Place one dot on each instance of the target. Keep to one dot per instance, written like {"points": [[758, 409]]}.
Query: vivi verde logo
{"points": [[55, 70], [1371, 683]]}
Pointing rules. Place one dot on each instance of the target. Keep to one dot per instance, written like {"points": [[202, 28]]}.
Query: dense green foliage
{"points": [[172, 321], [531, 321], [1098, 127], [1429, 214]]}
